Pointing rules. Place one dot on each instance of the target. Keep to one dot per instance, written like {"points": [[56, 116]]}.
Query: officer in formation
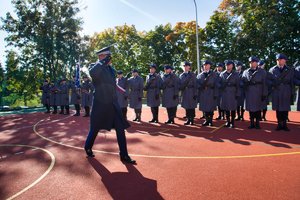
{"points": [[63, 96], [170, 90], [208, 86], [241, 99], [87, 89], [54, 97], [153, 86], [282, 78], [256, 91], [219, 69], [106, 112], [75, 96], [230, 84], [46, 95], [297, 83], [188, 84], [136, 85], [122, 92], [261, 65]]}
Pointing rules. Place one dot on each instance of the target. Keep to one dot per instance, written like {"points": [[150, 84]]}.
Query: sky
{"points": [[99, 15]]}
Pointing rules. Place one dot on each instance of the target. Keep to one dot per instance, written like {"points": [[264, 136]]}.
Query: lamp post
{"points": [[197, 39]]}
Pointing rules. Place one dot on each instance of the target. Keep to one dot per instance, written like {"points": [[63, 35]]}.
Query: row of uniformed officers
{"points": [[231, 91], [66, 93]]}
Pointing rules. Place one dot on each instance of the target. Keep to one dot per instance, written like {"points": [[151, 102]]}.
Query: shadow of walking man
{"points": [[126, 185]]}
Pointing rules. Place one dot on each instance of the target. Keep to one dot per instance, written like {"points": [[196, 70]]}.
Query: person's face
{"points": [[85, 79], [206, 67], [281, 62], [219, 69], [119, 75], [187, 68], [253, 65], [134, 74], [45, 83], [74, 78], [168, 71], [229, 67], [239, 68], [152, 70]]}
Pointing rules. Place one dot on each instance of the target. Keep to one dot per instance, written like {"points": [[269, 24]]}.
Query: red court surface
{"points": [[42, 157]]}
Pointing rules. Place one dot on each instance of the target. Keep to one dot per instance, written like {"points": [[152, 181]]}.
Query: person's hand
{"points": [[140, 99], [194, 97]]}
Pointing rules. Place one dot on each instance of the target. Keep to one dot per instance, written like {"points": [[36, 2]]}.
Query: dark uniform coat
{"points": [[46, 94], [188, 85], [152, 86], [297, 83], [283, 88], [122, 96], [75, 94], [136, 85], [63, 95], [170, 88], [230, 90], [87, 89], [219, 82], [54, 101], [256, 89], [241, 99], [105, 102], [208, 90]]}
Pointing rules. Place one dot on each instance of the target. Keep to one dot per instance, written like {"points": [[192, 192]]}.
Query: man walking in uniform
{"points": [[170, 99], [283, 91], [106, 113], [122, 92], [188, 84], [152, 86], [256, 91], [207, 84]]}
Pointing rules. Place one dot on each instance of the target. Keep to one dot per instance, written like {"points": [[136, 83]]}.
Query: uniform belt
{"points": [[230, 85], [255, 83], [190, 86]]}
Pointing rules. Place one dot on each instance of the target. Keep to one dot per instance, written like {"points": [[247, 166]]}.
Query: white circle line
{"points": [[41, 177]]}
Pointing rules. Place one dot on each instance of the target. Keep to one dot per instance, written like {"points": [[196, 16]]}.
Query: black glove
{"points": [[194, 97], [263, 98], [125, 98], [140, 99], [157, 96], [175, 97]]}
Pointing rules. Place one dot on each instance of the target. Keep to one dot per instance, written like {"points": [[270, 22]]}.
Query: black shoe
{"points": [[285, 128], [278, 128], [61, 113], [152, 121], [203, 117], [218, 118], [206, 123], [135, 119], [77, 114], [184, 117], [48, 111], [251, 127], [238, 119], [86, 115], [127, 159], [264, 119], [168, 122], [257, 127], [89, 153], [54, 112], [242, 119], [188, 122], [227, 124], [231, 126]]}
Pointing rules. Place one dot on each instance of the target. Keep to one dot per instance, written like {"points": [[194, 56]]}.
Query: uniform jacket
{"points": [[152, 86], [189, 92], [136, 85], [170, 89]]}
